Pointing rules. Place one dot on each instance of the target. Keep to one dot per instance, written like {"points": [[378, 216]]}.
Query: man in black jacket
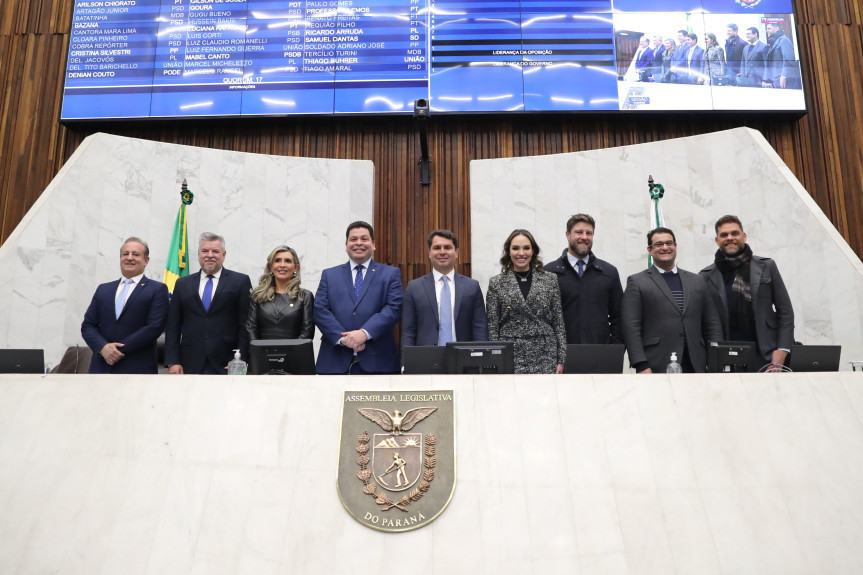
{"points": [[750, 295], [208, 313], [590, 288]]}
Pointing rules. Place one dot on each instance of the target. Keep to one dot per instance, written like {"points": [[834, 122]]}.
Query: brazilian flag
{"points": [[177, 265]]}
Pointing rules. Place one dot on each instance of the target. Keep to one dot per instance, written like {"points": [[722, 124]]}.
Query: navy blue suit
{"points": [[420, 318], [644, 61], [377, 310], [139, 326], [196, 338], [692, 66]]}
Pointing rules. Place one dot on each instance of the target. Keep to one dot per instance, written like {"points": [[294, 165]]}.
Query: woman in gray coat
{"points": [[523, 306]]}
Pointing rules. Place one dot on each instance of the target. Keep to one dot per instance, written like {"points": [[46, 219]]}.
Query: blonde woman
{"points": [[279, 307]]}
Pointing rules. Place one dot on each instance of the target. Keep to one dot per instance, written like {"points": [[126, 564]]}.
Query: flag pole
{"points": [[177, 265], [656, 218]]}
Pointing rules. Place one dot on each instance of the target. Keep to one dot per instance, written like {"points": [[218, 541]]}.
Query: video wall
{"points": [[212, 58]]}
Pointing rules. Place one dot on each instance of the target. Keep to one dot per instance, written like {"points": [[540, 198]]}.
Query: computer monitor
{"points": [[281, 357], [22, 361], [732, 357], [814, 357], [424, 359], [480, 357]]}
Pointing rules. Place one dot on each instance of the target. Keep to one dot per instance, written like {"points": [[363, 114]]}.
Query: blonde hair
{"points": [[266, 290]]}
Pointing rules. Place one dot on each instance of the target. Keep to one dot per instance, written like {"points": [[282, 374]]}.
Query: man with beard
{"points": [[749, 293], [734, 45], [208, 313], [782, 68], [590, 288]]}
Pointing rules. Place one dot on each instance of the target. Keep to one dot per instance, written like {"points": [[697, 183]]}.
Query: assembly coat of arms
{"points": [[397, 457]]}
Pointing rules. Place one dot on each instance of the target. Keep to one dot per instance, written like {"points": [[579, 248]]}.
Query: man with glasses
{"points": [[667, 310]]}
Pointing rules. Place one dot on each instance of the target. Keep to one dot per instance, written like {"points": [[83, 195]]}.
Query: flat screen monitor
{"points": [[229, 58], [732, 357], [424, 359], [594, 358], [480, 357], [814, 357], [281, 357], [22, 361]]}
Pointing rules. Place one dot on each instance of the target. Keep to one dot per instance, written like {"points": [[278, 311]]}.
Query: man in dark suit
{"points": [[444, 305], [734, 46], [752, 67], [127, 316], [357, 306], [678, 59], [589, 287], [750, 295], [643, 59], [657, 50], [207, 318], [667, 310], [783, 71], [692, 60]]}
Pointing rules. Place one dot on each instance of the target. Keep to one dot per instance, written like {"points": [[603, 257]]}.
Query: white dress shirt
{"points": [[203, 284]]}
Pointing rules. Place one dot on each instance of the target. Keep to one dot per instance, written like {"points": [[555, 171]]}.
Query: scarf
{"points": [[735, 274]]}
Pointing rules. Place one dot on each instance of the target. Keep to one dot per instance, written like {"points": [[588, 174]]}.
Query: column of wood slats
{"points": [[824, 149]]}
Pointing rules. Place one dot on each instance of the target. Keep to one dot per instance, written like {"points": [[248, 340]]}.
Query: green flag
{"points": [[177, 265]]}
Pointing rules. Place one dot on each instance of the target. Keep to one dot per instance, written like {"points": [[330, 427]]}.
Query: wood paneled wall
{"points": [[824, 149]]}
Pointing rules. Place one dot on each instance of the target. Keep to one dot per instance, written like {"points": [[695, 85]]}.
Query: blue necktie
{"points": [[207, 298], [121, 299], [445, 333], [580, 264], [358, 281]]}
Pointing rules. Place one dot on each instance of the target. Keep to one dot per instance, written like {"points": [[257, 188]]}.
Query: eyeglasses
{"points": [[657, 245]]}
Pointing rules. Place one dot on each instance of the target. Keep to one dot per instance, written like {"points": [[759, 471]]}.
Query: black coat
{"points": [[194, 336], [591, 303], [282, 318]]}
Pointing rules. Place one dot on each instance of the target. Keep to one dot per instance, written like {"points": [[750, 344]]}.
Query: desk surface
{"points": [[571, 474]]}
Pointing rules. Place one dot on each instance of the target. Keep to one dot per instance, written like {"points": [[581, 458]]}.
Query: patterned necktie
{"points": [[358, 281], [121, 299], [445, 333], [207, 298], [580, 264]]}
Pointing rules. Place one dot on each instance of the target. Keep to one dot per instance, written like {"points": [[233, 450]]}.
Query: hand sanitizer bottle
{"points": [[237, 366], [673, 366]]}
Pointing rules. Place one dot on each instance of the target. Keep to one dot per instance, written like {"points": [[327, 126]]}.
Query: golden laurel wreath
{"points": [[371, 487]]}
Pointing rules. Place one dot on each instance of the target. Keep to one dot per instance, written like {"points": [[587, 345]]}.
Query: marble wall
{"points": [[115, 187], [705, 177], [593, 475]]}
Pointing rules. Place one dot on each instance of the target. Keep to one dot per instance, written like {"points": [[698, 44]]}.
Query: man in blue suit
{"points": [[357, 306], [207, 318], [435, 313], [692, 61], [643, 59], [127, 316]]}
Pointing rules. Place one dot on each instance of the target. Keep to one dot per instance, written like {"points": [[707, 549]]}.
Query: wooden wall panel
{"points": [[824, 149]]}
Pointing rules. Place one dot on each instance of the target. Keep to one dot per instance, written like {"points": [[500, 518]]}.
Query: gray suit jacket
{"points": [[420, 318], [653, 326], [535, 325], [771, 305]]}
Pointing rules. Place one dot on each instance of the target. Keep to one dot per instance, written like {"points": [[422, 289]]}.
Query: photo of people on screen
{"points": [[751, 51]]}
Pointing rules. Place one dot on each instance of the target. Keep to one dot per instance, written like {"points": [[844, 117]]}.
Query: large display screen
{"points": [[193, 58]]}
